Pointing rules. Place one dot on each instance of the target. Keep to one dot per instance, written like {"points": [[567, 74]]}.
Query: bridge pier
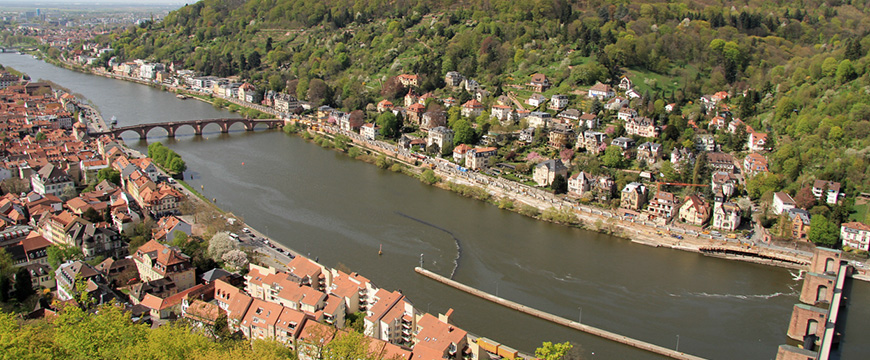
{"points": [[197, 129], [170, 131], [224, 127]]}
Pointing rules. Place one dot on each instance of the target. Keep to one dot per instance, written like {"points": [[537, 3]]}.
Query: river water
{"points": [[320, 202]]}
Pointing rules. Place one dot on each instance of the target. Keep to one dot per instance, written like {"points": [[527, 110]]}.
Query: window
{"points": [[812, 327], [821, 293]]}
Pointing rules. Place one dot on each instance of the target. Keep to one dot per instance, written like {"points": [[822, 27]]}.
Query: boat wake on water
{"points": [[799, 276], [737, 296], [455, 239]]}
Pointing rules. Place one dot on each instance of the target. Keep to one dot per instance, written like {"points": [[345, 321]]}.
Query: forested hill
{"points": [[802, 64]]}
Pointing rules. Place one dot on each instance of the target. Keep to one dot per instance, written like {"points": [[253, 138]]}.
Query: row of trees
{"points": [[166, 157]]}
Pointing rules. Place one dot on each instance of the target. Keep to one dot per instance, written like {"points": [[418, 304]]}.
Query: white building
{"points": [[441, 136], [726, 216], [855, 235], [782, 202]]}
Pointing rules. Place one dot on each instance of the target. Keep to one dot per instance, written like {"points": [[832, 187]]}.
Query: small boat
{"points": [[181, 96], [381, 250], [114, 121]]}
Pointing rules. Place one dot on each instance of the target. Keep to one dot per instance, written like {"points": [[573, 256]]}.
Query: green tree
{"points": [[845, 71], [355, 321], [179, 239], [389, 124], [60, 253], [613, 157], [559, 185], [23, 284], [463, 133], [109, 174], [40, 136], [823, 232], [428, 176], [348, 345], [551, 351]]}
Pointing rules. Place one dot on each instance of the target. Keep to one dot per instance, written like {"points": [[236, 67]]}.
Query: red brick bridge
{"points": [[197, 125]]}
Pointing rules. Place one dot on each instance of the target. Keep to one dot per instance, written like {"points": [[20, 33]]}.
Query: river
{"points": [[341, 210]]}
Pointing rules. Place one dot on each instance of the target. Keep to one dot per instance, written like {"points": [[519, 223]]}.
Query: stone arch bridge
{"points": [[198, 125]]}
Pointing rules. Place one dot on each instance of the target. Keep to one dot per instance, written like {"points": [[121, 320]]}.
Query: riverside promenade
{"points": [[674, 354]]}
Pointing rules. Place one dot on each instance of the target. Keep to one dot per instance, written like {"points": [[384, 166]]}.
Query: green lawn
{"points": [[862, 213]]}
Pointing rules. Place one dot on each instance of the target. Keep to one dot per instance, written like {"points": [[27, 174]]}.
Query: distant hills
{"points": [[803, 66]]}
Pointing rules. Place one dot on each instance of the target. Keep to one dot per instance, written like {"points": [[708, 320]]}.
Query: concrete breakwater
{"points": [[674, 354]]}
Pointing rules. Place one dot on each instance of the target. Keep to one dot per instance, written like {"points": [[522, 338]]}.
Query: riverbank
{"points": [[548, 207], [543, 205]]}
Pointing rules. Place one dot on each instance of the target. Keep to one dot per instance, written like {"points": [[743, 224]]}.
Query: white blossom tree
{"points": [[235, 258], [220, 244]]}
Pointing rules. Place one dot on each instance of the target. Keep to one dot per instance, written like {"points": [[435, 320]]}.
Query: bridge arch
{"points": [[140, 131]]}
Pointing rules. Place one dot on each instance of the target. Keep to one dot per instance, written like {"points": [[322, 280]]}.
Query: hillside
{"points": [[803, 72]]}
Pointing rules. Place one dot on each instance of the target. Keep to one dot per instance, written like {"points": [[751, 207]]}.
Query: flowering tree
{"points": [[220, 244], [235, 258], [566, 155]]}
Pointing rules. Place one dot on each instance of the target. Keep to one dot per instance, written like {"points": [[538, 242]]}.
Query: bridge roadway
{"points": [[198, 125], [674, 354]]}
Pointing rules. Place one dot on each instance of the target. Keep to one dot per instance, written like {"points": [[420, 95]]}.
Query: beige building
{"points": [[694, 210], [157, 261], [546, 172], [633, 196]]}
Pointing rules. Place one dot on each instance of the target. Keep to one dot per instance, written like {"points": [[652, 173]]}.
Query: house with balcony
{"points": [[501, 112], [663, 207], [391, 318], [720, 161], [538, 83], [478, 158], [855, 235], [705, 142], [829, 191], [580, 183], [559, 136]]}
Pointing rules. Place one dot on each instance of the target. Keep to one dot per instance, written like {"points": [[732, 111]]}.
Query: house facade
{"points": [[726, 216], [546, 172], [855, 235]]}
